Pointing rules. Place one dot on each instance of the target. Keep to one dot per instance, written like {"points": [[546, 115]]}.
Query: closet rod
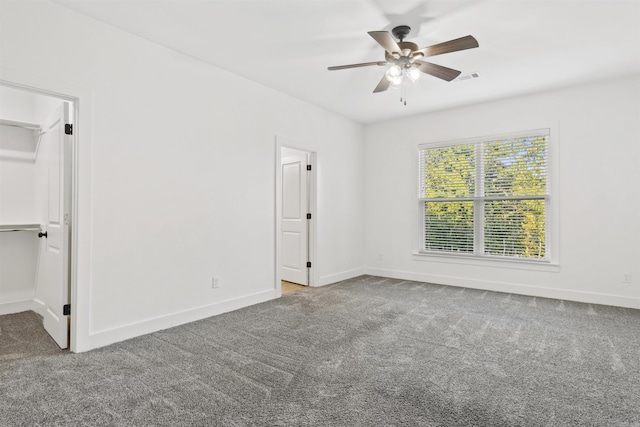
{"points": [[24, 125], [20, 227]]}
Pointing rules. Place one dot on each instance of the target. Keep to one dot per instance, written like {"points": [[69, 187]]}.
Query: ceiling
{"points": [[525, 46]]}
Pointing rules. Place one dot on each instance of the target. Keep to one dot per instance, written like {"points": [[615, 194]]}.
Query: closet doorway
{"points": [[295, 217], [36, 225]]}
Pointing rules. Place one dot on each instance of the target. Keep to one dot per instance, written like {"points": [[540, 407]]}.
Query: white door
{"points": [[55, 283], [294, 218]]}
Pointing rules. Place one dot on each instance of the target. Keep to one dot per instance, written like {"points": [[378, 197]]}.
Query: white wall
{"points": [[597, 131], [17, 167], [18, 250], [17, 105], [18, 258], [177, 174]]}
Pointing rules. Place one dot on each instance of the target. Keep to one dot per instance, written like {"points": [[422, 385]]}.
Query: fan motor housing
{"points": [[406, 47]]}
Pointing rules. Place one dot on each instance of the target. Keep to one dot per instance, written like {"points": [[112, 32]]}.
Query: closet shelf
{"points": [[20, 227]]}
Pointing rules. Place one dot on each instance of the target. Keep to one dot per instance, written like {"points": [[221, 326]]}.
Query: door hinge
{"points": [[68, 129], [308, 167], [66, 309], [308, 264], [308, 216]]}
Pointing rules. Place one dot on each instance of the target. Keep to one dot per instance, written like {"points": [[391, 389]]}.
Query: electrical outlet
{"points": [[215, 282], [626, 277]]}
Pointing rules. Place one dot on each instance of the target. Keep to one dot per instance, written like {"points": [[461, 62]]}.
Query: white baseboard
{"points": [[338, 277], [121, 333], [536, 291], [22, 305], [16, 307], [39, 307]]}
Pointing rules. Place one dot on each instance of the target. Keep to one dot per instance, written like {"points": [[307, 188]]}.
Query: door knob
{"points": [[41, 234]]}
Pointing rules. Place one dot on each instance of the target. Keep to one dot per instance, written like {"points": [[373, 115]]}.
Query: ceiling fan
{"points": [[404, 57]]}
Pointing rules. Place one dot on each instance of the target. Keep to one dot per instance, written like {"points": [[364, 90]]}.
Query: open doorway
{"points": [[36, 199], [295, 218]]}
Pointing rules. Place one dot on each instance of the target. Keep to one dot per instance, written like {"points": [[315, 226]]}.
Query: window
{"points": [[487, 197]]}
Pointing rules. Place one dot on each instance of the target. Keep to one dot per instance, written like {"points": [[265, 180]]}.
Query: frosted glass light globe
{"points": [[414, 74], [394, 71]]}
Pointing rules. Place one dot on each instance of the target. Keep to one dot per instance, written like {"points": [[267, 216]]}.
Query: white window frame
{"points": [[478, 258]]}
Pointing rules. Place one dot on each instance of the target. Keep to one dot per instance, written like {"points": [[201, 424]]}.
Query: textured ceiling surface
{"points": [[525, 46]]}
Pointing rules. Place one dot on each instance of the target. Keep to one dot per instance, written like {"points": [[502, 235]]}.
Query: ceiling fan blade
{"points": [[466, 42], [382, 85], [386, 40], [362, 64], [438, 71]]}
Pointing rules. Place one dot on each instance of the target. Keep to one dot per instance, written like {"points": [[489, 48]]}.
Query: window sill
{"points": [[487, 262]]}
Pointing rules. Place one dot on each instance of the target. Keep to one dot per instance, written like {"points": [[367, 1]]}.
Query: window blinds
{"points": [[515, 167], [486, 197]]}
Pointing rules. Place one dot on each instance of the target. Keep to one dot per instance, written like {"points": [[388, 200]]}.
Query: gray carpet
{"points": [[23, 339], [364, 352]]}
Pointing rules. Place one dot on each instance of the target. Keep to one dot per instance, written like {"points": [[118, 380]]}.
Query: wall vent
{"points": [[467, 76]]}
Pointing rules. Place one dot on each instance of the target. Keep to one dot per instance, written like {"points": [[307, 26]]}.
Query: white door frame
{"points": [[73, 228], [280, 142]]}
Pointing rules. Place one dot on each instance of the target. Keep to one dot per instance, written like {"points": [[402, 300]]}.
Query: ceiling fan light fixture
{"points": [[395, 81], [395, 75], [394, 71], [414, 73], [403, 59]]}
